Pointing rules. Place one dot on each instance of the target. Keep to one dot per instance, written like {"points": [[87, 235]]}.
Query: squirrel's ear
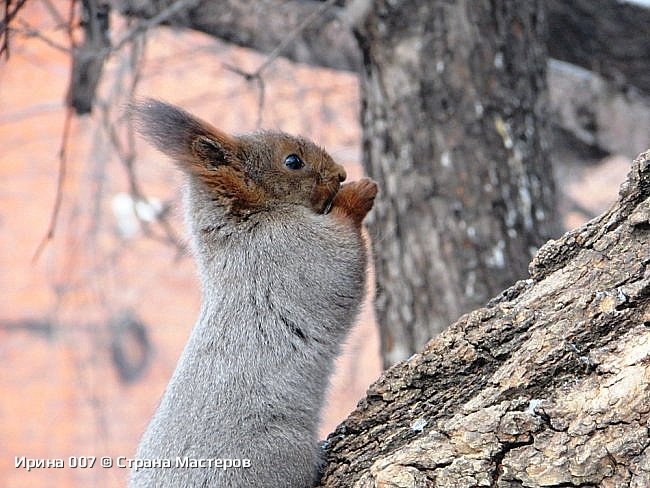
{"points": [[211, 150], [181, 136]]}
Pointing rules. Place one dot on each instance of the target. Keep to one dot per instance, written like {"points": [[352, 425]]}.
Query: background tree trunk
{"points": [[545, 386], [453, 99], [88, 58]]}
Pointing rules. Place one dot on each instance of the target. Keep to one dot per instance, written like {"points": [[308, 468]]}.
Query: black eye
{"points": [[292, 161]]}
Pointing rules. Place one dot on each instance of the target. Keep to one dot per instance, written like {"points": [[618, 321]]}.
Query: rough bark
{"points": [[607, 36], [547, 385], [453, 100]]}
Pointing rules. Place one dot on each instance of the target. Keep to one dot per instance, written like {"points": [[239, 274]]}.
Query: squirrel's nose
{"points": [[342, 174]]}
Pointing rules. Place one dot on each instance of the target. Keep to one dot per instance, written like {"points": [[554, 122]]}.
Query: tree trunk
{"points": [[453, 99], [88, 58], [546, 386]]}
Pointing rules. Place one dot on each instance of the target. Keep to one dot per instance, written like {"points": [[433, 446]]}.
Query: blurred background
{"points": [[91, 329], [97, 291]]}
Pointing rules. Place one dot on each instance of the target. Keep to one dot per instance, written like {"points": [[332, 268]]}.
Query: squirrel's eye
{"points": [[292, 161]]}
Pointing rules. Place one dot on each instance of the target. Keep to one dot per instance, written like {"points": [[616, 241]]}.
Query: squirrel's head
{"points": [[246, 173]]}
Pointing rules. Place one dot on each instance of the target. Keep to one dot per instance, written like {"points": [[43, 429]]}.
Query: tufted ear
{"points": [[194, 144], [200, 150]]}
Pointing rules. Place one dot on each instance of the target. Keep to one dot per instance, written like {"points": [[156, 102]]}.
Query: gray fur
{"points": [[171, 129], [280, 292]]}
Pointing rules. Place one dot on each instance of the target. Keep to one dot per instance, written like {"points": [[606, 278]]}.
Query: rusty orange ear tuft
{"points": [[182, 136], [211, 151]]}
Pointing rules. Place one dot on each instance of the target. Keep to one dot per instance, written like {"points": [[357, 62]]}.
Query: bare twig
{"points": [[163, 16], [124, 146], [257, 77], [273, 55], [59, 186], [70, 24], [292, 36], [29, 31], [170, 236], [260, 101], [127, 157], [7, 17], [58, 199], [54, 13], [4, 48]]}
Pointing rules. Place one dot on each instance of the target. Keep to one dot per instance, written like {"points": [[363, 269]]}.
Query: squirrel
{"points": [[282, 262]]}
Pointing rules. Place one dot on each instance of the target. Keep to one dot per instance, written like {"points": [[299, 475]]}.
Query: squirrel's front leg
{"points": [[354, 200]]}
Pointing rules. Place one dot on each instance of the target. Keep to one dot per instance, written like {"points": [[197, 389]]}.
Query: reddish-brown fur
{"points": [[247, 174], [354, 200]]}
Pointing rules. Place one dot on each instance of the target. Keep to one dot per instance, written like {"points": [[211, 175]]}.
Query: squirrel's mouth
{"points": [[328, 204], [323, 197]]}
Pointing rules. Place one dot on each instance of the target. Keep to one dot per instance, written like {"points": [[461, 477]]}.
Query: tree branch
{"points": [[8, 15], [326, 41], [60, 182], [26, 30], [606, 36], [274, 54], [161, 17], [542, 387]]}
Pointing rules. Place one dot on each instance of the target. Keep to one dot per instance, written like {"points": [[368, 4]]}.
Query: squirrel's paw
{"points": [[354, 200]]}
